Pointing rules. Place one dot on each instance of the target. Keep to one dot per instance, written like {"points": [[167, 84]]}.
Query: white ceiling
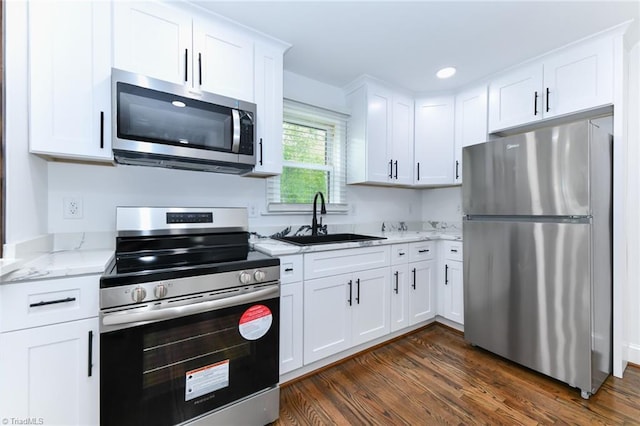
{"points": [[405, 43]]}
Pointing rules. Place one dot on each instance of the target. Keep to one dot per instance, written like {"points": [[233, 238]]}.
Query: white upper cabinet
{"points": [[380, 147], [470, 123], [268, 80], [434, 141], [576, 78], [70, 79], [160, 41]]}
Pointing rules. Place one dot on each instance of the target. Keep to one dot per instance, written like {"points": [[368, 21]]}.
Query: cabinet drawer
{"points": [[399, 253], [38, 303], [424, 250], [453, 250], [334, 262], [290, 268]]}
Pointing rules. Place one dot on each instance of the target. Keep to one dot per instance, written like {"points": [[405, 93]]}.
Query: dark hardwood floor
{"points": [[434, 377]]}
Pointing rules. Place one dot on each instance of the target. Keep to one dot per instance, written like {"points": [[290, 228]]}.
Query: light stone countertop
{"points": [[281, 248]]}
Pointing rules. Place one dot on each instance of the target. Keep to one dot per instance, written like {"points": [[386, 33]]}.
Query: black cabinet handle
{"points": [[90, 354], [454, 250], [401, 253], [186, 65], [418, 170], [350, 292], [390, 168], [101, 129], [200, 69], [396, 289], [288, 269], [547, 99], [52, 302], [535, 103], [358, 291], [457, 172], [260, 144], [423, 251], [414, 278], [396, 176], [446, 274]]}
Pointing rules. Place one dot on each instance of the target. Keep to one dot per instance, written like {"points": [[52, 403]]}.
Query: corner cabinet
{"points": [[572, 79], [380, 148], [49, 351], [167, 43], [70, 79], [434, 141], [470, 123]]}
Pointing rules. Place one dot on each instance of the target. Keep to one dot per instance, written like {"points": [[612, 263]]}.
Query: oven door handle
{"points": [[196, 308]]}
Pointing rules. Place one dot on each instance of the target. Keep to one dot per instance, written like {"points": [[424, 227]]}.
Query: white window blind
{"points": [[314, 159]]}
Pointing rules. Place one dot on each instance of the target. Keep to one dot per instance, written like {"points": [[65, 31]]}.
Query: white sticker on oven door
{"points": [[206, 379], [255, 322]]}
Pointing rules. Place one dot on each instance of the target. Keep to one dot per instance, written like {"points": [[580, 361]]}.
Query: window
{"points": [[314, 150]]}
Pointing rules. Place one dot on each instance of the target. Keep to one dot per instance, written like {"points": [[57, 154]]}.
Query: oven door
{"points": [[175, 370]]}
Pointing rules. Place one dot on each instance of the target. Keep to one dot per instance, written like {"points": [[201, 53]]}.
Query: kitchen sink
{"points": [[306, 240]]}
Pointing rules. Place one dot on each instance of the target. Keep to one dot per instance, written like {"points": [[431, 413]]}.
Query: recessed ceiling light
{"points": [[446, 72]]}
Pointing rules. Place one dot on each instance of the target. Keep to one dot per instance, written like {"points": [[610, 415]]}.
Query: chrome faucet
{"points": [[323, 210]]}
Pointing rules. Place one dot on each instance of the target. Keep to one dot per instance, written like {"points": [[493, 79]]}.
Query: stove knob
{"points": [[160, 291], [245, 277], [138, 294], [259, 275]]}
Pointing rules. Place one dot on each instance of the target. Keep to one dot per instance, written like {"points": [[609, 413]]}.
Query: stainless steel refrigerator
{"points": [[538, 251]]}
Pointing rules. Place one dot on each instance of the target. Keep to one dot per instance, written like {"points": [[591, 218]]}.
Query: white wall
{"points": [[442, 204], [102, 188], [26, 174]]}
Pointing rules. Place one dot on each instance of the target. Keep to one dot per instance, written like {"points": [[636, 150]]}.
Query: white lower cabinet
{"points": [[422, 291], [51, 374], [341, 311], [291, 294], [452, 297]]}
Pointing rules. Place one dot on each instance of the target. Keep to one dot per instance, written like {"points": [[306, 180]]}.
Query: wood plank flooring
{"points": [[433, 377]]}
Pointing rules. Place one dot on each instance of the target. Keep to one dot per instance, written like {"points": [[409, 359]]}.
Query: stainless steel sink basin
{"points": [[306, 240]]}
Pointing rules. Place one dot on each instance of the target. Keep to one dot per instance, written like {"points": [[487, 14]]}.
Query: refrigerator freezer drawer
{"points": [[528, 292]]}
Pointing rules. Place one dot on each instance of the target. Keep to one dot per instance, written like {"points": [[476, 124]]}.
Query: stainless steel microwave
{"points": [[162, 124]]}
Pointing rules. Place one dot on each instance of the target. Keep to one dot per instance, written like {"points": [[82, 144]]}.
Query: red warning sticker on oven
{"points": [[255, 322], [206, 379]]}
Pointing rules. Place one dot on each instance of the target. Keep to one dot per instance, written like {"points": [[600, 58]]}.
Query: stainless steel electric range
{"points": [[189, 321]]}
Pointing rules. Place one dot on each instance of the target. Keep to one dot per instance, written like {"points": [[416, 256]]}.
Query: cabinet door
{"points": [[422, 291], [579, 78], [434, 141], [516, 98], [51, 373], [153, 39], [402, 140], [223, 61], [268, 98], [290, 327], [379, 134], [399, 297], [470, 123], [453, 292], [70, 75], [371, 305], [327, 316]]}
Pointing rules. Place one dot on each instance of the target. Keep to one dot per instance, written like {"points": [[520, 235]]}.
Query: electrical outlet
{"points": [[253, 210], [72, 208]]}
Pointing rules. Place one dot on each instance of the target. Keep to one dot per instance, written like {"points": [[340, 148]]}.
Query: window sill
{"points": [[284, 209]]}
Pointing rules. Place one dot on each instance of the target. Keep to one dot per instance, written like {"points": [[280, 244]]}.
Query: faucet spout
{"points": [[323, 210]]}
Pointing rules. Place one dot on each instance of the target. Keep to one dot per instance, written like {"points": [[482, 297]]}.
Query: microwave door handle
{"points": [[235, 144]]}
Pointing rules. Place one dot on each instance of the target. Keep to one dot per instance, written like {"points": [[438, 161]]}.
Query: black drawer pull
{"points": [[401, 253], [423, 251], [454, 250], [52, 302], [288, 269]]}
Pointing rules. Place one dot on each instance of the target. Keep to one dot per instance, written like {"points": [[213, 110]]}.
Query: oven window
{"points": [[153, 116], [172, 371]]}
